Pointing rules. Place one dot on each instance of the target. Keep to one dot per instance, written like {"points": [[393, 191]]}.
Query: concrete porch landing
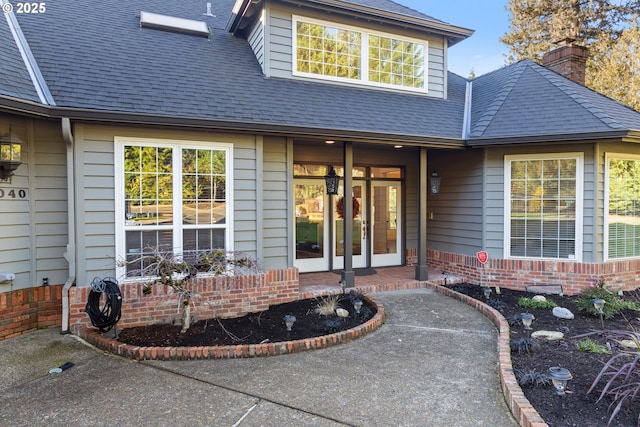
{"points": [[385, 279]]}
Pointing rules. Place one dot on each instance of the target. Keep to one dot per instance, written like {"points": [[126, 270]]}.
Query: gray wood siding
{"points": [[15, 219], [33, 229], [457, 224], [279, 33], [245, 196], [279, 29], [96, 196], [256, 40], [494, 214], [275, 203]]}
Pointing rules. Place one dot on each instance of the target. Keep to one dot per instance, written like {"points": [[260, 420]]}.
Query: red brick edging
{"points": [[94, 337], [519, 405]]}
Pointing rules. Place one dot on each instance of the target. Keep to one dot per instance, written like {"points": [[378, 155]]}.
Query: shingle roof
{"points": [[14, 77], [526, 99], [391, 6], [103, 60]]}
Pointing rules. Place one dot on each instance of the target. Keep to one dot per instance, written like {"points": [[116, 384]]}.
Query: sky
{"points": [[481, 52]]}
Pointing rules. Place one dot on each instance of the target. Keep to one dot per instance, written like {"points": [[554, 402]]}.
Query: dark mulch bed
{"points": [[253, 328], [580, 409]]}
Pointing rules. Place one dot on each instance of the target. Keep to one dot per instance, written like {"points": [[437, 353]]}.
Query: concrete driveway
{"points": [[433, 363]]}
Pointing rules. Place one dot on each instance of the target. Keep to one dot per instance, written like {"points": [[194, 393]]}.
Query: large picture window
{"points": [[351, 54], [543, 206], [623, 207], [172, 197]]}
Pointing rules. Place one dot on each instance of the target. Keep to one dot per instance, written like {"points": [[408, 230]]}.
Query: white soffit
{"points": [[170, 23]]}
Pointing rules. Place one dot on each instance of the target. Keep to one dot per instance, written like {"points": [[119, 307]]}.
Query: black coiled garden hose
{"points": [[105, 317]]}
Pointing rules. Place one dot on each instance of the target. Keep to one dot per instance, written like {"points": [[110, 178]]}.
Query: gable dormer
{"points": [[390, 47]]}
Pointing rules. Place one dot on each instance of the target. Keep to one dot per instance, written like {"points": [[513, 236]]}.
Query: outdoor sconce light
{"points": [[527, 319], [10, 154], [559, 377], [357, 304], [486, 291], [598, 304], [332, 180], [434, 183]]}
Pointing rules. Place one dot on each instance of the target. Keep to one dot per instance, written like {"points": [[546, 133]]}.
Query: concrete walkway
{"points": [[433, 363]]}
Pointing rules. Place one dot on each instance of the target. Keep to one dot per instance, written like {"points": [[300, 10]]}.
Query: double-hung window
{"points": [[171, 196], [349, 54], [543, 206], [622, 217]]}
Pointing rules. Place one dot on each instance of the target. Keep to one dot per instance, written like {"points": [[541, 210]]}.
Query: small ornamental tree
{"points": [[180, 272]]}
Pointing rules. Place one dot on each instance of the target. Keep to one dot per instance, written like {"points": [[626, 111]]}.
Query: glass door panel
{"points": [[359, 224], [386, 224], [310, 226]]}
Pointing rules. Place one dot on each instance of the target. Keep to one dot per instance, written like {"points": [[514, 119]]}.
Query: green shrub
{"points": [[613, 304], [592, 346], [531, 303]]}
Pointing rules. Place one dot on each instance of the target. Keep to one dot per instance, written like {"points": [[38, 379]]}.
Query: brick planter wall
{"points": [[520, 274], [212, 296], [25, 310]]}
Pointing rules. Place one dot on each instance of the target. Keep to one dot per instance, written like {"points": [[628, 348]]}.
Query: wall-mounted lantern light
{"points": [[10, 154], [332, 180], [434, 183]]}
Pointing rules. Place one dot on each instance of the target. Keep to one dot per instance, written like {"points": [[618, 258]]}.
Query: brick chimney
{"points": [[568, 59]]}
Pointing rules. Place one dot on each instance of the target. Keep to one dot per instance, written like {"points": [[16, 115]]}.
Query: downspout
{"points": [[70, 254]]}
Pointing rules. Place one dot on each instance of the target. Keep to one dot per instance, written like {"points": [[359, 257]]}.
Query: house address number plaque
{"points": [[13, 193]]}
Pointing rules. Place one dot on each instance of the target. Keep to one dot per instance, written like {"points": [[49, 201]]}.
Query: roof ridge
{"points": [[485, 120], [568, 87]]}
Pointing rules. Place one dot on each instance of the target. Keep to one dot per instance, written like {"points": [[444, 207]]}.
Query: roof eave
{"points": [[9, 104], [89, 115], [632, 136], [453, 33], [620, 135]]}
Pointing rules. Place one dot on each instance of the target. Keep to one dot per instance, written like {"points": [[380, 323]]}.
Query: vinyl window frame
{"points": [[607, 197], [579, 202], [364, 55], [177, 225]]}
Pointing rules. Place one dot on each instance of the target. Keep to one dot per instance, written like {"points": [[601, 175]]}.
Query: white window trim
{"points": [[579, 157], [120, 143], [607, 158], [364, 58]]}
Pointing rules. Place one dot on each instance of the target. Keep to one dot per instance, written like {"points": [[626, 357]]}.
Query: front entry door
{"points": [[377, 225], [360, 231], [386, 236]]}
